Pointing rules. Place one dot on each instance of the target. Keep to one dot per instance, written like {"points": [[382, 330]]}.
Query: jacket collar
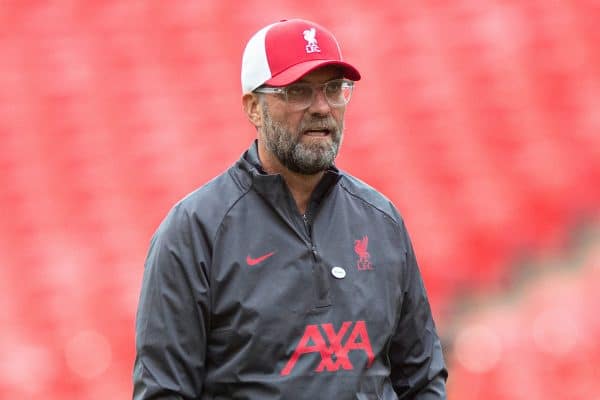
{"points": [[273, 186]]}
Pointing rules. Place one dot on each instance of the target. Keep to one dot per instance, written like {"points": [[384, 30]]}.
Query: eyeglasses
{"points": [[301, 95]]}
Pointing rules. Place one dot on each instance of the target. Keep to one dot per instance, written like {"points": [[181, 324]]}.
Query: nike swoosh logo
{"points": [[253, 261]]}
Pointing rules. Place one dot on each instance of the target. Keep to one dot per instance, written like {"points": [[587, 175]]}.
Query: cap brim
{"points": [[297, 71]]}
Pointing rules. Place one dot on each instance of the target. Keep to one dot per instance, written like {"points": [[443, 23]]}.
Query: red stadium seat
{"points": [[479, 121]]}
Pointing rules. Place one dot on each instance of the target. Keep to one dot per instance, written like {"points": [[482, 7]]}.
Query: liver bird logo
{"points": [[364, 258], [310, 35]]}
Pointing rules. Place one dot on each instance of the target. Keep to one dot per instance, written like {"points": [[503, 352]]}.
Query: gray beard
{"points": [[298, 157]]}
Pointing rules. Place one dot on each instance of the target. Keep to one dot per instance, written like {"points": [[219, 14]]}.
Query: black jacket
{"points": [[243, 298]]}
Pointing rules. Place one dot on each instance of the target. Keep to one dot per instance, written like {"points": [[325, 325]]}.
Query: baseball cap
{"points": [[285, 51]]}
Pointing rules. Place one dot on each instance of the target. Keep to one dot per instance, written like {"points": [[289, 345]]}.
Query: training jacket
{"points": [[244, 298]]}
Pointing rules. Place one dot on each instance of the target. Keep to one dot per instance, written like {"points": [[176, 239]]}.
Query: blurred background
{"points": [[479, 119]]}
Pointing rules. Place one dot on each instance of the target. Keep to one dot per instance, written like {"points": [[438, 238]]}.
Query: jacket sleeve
{"points": [[172, 315], [418, 370]]}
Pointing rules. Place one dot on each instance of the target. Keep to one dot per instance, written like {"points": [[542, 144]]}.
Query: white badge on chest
{"points": [[338, 272]]}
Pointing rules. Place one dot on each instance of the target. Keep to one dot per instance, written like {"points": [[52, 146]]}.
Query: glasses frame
{"points": [[283, 91]]}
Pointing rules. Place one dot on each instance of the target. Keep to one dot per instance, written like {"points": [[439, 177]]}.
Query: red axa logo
{"points": [[334, 351], [364, 258]]}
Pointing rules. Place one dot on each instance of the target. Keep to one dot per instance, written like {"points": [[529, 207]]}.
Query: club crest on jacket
{"points": [[364, 258]]}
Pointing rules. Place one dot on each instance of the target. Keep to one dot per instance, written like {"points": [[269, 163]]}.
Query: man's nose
{"points": [[320, 105]]}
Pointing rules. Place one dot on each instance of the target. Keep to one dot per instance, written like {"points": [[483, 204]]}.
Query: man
{"points": [[285, 278]]}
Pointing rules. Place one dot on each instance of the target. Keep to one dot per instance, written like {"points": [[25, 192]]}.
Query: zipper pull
{"points": [[306, 222]]}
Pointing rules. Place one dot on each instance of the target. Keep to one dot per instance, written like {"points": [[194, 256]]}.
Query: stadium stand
{"points": [[478, 119], [538, 341]]}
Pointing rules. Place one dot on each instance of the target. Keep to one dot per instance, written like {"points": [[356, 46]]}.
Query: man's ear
{"points": [[252, 108]]}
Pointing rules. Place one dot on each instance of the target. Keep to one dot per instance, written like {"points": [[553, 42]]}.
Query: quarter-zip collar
{"points": [[273, 187]]}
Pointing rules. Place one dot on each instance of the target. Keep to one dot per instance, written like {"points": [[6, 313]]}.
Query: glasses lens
{"points": [[338, 92], [299, 94]]}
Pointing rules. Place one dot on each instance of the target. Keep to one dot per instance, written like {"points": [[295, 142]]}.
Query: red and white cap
{"points": [[283, 52]]}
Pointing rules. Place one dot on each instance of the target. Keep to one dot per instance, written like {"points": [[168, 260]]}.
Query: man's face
{"points": [[305, 141]]}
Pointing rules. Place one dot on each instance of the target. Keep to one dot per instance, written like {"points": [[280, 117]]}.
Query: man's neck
{"points": [[301, 186]]}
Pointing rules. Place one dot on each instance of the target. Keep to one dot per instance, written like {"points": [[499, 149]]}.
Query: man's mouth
{"points": [[317, 132]]}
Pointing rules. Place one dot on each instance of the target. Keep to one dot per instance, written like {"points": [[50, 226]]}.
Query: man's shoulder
{"points": [[223, 189], [209, 203], [369, 195]]}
